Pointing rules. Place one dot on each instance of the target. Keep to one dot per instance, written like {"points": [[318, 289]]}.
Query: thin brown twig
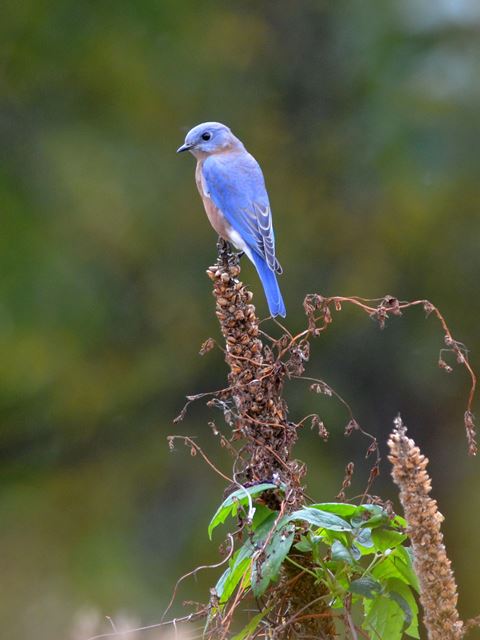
{"points": [[384, 307], [298, 613], [198, 396], [196, 570], [192, 616], [454, 345], [194, 446]]}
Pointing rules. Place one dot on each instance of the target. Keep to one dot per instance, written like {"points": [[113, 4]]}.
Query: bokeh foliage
{"points": [[364, 116]]}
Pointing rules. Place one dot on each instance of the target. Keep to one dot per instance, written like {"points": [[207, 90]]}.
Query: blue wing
{"points": [[236, 185]]}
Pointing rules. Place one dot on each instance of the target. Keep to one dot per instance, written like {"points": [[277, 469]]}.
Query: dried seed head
{"points": [[438, 590]]}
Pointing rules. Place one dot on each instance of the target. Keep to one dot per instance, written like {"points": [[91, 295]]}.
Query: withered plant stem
{"points": [[258, 415], [438, 590]]}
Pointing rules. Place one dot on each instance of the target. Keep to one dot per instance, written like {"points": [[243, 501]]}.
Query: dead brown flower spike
{"points": [[438, 590], [258, 415]]}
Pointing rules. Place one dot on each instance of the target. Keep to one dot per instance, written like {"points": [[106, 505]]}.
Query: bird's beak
{"points": [[184, 147]]}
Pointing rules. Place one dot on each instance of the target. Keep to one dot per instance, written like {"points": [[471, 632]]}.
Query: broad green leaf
{"points": [[342, 578], [230, 505], [278, 547], [373, 515], [321, 519], [338, 508], [402, 559], [261, 514], [366, 587], [304, 545], [404, 606], [398, 521], [242, 561], [328, 537], [403, 596], [239, 566], [346, 554], [264, 528], [337, 603], [386, 569], [378, 520], [316, 541], [229, 580], [384, 539], [372, 509], [247, 631], [364, 513], [220, 586], [397, 564], [363, 538], [384, 619]]}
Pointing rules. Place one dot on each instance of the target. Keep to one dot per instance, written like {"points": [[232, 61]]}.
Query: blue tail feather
{"points": [[270, 286]]}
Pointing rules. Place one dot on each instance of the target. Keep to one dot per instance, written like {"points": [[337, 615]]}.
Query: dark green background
{"points": [[365, 119]]}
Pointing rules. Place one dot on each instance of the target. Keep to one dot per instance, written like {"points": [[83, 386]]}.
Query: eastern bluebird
{"points": [[232, 187]]}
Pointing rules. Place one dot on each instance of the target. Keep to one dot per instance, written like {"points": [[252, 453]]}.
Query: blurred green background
{"points": [[365, 119]]}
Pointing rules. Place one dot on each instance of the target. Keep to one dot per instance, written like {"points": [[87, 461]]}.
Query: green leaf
{"points": [[384, 539], [370, 515], [229, 580], [373, 515], [221, 582], [366, 587], [372, 509], [247, 631], [402, 559], [230, 505], [386, 569], [403, 604], [398, 521], [242, 561], [384, 618], [264, 529], [328, 537], [321, 519], [239, 567], [379, 520], [261, 513], [278, 547], [304, 545], [403, 596], [345, 554], [338, 508], [317, 550], [363, 538], [397, 564]]}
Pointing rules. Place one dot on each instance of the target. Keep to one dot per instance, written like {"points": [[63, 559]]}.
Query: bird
{"points": [[232, 187]]}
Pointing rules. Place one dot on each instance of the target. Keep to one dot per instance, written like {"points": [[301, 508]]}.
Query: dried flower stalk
{"points": [[256, 411], [438, 590], [259, 414]]}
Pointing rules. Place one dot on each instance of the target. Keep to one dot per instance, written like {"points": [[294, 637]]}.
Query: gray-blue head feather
{"points": [[209, 137]]}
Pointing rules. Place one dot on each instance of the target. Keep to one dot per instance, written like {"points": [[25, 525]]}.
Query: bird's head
{"points": [[208, 138]]}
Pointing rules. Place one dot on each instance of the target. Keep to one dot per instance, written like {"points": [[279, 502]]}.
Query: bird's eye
{"points": [[206, 136]]}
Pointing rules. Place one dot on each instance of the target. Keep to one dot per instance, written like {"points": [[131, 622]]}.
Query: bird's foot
{"points": [[224, 249], [226, 254]]}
